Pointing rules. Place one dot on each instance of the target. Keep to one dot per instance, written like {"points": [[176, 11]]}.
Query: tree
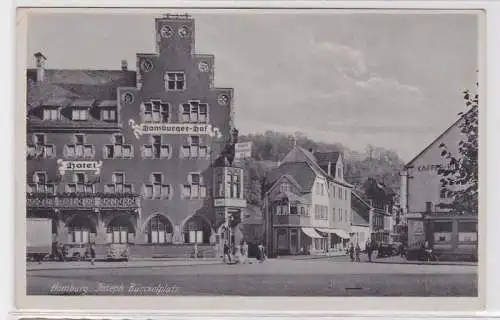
{"points": [[460, 174]]}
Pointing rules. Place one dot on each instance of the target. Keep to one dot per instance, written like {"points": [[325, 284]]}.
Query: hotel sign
{"points": [[79, 166], [174, 129], [243, 150]]}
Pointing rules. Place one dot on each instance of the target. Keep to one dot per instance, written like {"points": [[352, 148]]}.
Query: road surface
{"points": [[320, 277]]}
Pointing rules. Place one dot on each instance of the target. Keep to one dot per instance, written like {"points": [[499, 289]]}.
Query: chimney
{"points": [[124, 65], [310, 150], [40, 66], [330, 168], [428, 207]]}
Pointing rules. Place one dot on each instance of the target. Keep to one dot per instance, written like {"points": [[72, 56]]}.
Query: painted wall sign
{"points": [[243, 150], [431, 167], [174, 129], [79, 166]]}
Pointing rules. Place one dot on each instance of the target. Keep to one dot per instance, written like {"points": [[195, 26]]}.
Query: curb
{"points": [[123, 267], [421, 263]]}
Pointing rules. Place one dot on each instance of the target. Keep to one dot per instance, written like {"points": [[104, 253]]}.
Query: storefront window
{"points": [[467, 231], [442, 231]]}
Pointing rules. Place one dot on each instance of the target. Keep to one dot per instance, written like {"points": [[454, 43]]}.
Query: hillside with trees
{"points": [[270, 147]]}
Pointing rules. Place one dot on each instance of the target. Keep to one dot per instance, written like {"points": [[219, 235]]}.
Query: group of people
{"points": [[239, 253], [355, 251]]}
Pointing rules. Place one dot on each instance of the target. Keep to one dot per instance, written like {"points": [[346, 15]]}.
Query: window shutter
{"points": [[65, 151], [190, 179], [131, 151], [143, 152]]}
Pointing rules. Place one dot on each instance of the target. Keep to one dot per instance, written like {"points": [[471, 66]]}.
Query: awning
{"points": [[339, 232], [310, 232]]}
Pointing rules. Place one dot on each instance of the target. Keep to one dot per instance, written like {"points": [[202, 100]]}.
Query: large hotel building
{"points": [[120, 156]]}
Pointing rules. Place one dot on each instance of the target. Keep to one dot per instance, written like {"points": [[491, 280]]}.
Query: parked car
{"points": [[117, 251], [76, 252], [387, 250]]}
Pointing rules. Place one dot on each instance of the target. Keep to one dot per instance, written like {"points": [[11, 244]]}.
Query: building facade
{"points": [[361, 229], [307, 206], [119, 156], [421, 196]]}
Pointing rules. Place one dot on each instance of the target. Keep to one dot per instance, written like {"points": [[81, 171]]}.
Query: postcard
{"points": [[328, 157]]}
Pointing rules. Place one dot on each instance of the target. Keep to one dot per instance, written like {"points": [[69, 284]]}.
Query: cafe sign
{"points": [[79, 166], [174, 129]]}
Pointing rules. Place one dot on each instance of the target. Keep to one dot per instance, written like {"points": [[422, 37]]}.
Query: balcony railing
{"points": [[291, 219], [84, 200]]}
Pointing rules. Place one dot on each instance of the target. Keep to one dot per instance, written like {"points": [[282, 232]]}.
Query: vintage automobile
{"points": [[76, 252], [386, 250], [117, 251]]}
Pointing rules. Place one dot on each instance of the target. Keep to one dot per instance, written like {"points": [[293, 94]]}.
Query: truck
{"points": [[38, 239]]}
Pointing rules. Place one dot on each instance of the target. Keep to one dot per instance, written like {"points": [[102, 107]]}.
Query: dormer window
{"points": [[80, 109], [108, 110], [50, 113], [108, 115], [79, 114]]}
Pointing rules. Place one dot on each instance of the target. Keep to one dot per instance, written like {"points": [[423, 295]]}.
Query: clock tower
{"points": [[175, 34]]}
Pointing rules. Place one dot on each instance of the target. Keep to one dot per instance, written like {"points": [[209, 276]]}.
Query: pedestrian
{"points": [[227, 252], [244, 252], [428, 251], [351, 252], [369, 250], [402, 250], [261, 256], [196, 251], [358, 251], [92, 253]]}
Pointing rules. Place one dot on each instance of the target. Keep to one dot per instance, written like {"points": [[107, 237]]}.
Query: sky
{"points": [[390, 80]]}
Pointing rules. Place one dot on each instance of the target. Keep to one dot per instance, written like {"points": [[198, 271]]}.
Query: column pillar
{"points": [[177, 237], [100, 229], [62, 231]]}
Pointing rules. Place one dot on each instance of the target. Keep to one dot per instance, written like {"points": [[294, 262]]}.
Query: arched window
{"points": [[120, 230], [81, 230], [159, 230], [196, 230]]}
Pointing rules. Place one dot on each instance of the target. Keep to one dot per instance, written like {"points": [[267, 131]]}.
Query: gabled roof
{"points": [[437, 139], [361, 199], [301, 172], [325, 159], [359, 220], [76, 84], [292, 197]]}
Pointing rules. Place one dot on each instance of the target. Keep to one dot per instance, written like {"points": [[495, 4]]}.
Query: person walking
{"points": [[351, 252], [358, 251], [227, 252], [428, 251], [196, 251], [369, 250], [244, 252], [261, 256], [92, 253]]}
